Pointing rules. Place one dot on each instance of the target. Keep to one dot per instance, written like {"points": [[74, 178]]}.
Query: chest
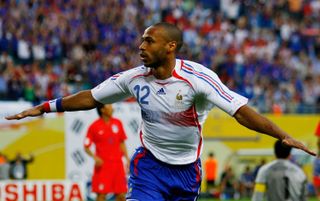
{"points": [[171, 96], [106, 132]]}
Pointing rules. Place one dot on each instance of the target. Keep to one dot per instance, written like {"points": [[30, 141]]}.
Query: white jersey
{"points": [[280, 180], [173, 110]]}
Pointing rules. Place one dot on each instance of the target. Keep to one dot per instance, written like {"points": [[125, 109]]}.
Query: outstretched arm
{"points": [[249, 118], [82, 100]]}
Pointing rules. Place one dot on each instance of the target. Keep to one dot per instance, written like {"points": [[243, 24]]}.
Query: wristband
{"points": [[46, 107], [59, 105], [53, 106]]}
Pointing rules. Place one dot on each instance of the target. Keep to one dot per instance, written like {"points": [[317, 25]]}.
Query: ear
{"points": [[172, 46]]}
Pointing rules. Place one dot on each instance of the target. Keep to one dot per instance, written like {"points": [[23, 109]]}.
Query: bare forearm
{"points": [[80, 101], [254, 121], [124, 150], [89, 152]]}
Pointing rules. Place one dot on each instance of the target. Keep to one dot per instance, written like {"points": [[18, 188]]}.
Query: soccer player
{"points": [[280, 179], [175, 97], [211, 169], [108, 136]]}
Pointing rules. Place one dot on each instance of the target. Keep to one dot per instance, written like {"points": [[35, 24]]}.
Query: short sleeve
{"points": [[261, 176], [89, 138], [113, 89], [220, 95]]}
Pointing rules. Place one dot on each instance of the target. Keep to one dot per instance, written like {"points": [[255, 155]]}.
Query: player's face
{"points": [[107, 110], [153, 48]]}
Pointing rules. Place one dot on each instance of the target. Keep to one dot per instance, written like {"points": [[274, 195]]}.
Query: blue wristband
{"points": [[59, 105]]}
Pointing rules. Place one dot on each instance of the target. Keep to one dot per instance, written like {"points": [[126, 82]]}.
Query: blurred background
{"points": [[268, 51]]}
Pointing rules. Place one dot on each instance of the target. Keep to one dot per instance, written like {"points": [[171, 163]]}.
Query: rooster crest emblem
{"points": [[179, 96]]}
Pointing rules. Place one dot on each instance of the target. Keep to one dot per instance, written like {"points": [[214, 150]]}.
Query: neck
{"points": [[165, 70], [105, 118]]}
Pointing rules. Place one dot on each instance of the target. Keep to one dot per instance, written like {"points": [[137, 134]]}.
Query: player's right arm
{"points": [[82, 100], [88, 142], [111, 90], [260, 185], [98, 161]]}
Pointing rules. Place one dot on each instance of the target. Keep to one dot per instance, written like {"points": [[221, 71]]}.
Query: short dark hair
{"points": [[173, 33], [280, 150]]}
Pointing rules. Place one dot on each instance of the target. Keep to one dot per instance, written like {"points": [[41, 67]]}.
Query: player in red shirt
{"points": [[108, 136]]}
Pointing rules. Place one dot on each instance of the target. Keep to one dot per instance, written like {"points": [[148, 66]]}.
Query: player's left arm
{"points": [[97, 160], [124, 151], [259, 192], [123, 146], [125, 154], [249, 118], [260, 185]]}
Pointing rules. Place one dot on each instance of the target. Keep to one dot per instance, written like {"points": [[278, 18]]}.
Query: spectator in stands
{"points": [[4, 167], [246, 183], [228, 184], [244, 42], [18, 166]]}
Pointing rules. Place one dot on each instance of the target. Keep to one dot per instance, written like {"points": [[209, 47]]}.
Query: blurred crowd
{"points": [[15, 168], [268, 51]]}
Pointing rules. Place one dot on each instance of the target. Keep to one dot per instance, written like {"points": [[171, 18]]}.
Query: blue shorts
{"points": [[153, 180]]}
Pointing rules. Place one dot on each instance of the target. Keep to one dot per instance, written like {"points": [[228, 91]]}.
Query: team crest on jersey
{"points": [[115, 129], [101, 187], [100, 132], [179, 101], [179, 96]]}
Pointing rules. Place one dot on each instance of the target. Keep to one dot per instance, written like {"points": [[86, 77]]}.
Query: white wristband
{"points": [[53, 105]]}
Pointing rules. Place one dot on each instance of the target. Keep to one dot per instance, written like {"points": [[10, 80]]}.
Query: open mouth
{"points": [[143, 56]]}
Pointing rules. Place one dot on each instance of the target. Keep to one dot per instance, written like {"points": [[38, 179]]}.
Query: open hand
{"points": [[32, 112], [98, 161], [288, 141]]}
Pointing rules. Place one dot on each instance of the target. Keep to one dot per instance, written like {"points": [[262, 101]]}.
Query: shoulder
{"points": [[295, 167], [116, 120], [132, 73], [265, 168], [95, 123], [191, 67], [194, 71]]}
